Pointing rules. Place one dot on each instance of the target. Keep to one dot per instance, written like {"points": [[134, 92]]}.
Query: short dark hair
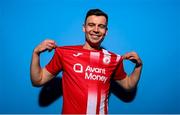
{"points": [[96, 12]]}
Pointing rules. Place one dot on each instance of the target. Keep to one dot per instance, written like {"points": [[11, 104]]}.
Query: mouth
{"points": [[95, 36]]}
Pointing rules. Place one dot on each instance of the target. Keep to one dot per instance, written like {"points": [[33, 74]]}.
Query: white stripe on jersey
{"points": [[92, 90], [102, 104], [92, 103], [94, 56], [106, 52]]}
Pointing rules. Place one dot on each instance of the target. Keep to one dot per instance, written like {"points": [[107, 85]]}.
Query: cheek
{"points": [[86, 30], [103, 33]]}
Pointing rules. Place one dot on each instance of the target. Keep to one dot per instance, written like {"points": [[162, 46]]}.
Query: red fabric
{"points": [[86, 77]]}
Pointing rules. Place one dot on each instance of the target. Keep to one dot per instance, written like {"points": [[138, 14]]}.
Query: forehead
{"points": [[96, 19]]}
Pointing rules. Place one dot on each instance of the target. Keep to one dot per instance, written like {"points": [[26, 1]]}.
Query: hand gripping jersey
{"points": [[86, 78]]}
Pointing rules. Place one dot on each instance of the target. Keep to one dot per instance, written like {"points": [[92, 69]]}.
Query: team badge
{"points": [[106, 59]]}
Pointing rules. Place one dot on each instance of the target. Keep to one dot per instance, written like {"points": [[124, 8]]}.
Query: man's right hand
{"points": [[39, 75], [45, 45]]}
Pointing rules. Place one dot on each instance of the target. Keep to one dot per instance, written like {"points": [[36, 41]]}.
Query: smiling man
{"points": [[95, 29], [87, 69]]}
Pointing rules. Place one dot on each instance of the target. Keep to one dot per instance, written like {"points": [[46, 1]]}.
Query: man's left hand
{"points": [[133, 56]]}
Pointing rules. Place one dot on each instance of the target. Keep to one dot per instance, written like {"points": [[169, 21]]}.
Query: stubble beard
{"points": [[94, 43]]}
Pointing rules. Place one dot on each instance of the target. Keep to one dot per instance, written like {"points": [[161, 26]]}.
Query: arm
{"points": [[130, 82], [40, 76]]}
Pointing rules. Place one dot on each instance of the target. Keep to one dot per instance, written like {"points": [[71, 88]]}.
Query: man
{"points": [[87, 69]]}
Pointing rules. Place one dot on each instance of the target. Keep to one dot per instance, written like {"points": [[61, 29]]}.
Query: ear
{"points": [[83, 28]]}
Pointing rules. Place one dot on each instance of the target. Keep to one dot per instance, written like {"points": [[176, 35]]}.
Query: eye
{"points": [[91, 24], [102, 26]]}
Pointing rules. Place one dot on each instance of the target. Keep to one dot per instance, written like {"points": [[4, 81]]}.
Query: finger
{"points": [[50, 41], [131, 58], [127, 56], [51, 46], [53, 43], [123, 57]]}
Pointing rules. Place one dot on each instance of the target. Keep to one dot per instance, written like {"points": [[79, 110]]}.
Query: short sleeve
{"points": [[119, 72], [55, 64]]}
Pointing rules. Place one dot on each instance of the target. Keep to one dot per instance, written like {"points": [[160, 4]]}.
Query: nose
{"points": [[96, 29]]}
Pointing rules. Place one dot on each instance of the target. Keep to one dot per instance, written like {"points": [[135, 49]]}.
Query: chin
{"points": [[94, 44]]}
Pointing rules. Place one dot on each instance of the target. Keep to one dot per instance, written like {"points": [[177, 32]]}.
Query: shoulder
{"points": [[110, 53], [114, 56]]}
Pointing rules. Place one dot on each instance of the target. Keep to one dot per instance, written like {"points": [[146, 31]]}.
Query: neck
{"points": [[89, 47]]}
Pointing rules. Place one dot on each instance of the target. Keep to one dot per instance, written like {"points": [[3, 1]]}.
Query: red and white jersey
{"points": [[86, 77]]}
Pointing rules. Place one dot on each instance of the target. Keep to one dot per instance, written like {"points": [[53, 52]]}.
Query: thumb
{"points": [[124, 57]]}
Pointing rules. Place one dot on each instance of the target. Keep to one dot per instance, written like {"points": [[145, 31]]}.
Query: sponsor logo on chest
{"points": [[91, 73]]}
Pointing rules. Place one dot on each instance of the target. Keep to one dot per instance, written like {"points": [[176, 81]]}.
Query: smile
{"points": [[95, 36]]}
